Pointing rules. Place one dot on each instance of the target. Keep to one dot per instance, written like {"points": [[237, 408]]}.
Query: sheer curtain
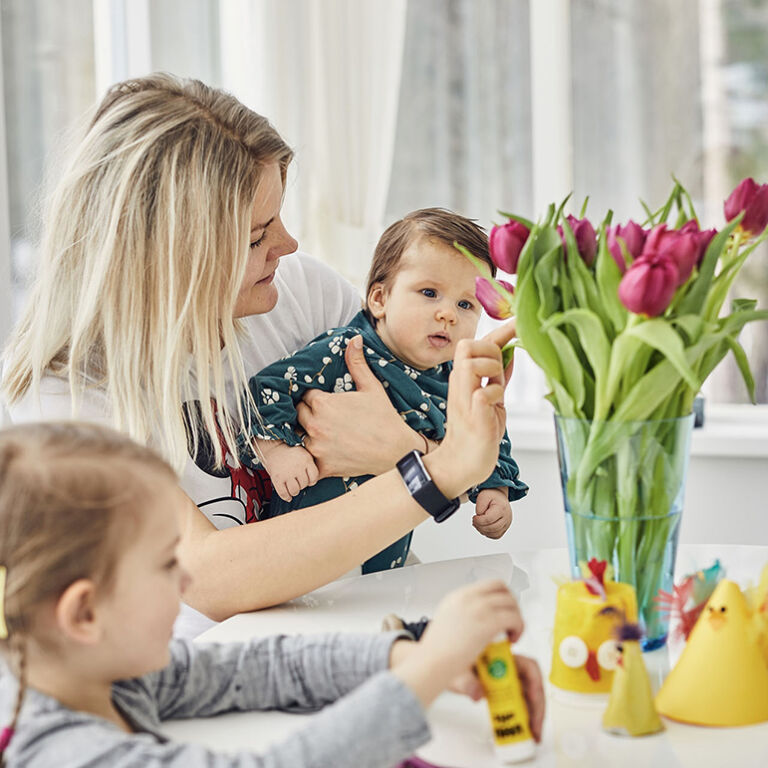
{"points": [[328, 76]]}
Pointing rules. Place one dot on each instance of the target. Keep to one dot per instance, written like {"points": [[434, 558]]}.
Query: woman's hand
{"points": [[355, 433], [476, 416]]}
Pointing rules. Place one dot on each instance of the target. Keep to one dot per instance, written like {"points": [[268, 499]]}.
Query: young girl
{"points": [[91, 588], [420, 303]]}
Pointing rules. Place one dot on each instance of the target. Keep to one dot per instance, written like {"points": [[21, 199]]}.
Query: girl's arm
{"points": [[255, 566], [289, 673]]}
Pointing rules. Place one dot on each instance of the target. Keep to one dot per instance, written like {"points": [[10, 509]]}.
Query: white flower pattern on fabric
{"points": [[335, 345], [343, 383], [291, 375], [411, 372], [269, 396]]}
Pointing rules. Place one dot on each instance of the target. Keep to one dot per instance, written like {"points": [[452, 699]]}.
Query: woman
{"points": [[159, 288]]}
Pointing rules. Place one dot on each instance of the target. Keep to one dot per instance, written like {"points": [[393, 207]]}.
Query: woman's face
{"points": [[269, 241]]}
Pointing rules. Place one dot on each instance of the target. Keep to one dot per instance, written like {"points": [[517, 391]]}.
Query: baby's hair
{"points": [[143, 253], [438, 224], [71, 496]]}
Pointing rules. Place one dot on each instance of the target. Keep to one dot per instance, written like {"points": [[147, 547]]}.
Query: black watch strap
{"points": [[421, 486]]}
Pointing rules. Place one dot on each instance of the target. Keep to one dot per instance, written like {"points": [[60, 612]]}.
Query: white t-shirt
{"points": [[311, 299]]}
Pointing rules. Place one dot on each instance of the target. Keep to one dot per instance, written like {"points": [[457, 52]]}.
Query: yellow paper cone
{"points": [[630, 709], [721, 678]]}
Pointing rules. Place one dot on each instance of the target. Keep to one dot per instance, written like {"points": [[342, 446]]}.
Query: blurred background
{"points": [[393, 105]]}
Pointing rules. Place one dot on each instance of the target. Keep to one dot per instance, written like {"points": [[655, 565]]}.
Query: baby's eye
{"points": [[430, 293], [464, 304], [257, 243]]}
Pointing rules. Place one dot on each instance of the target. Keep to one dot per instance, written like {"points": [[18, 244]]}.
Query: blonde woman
{"points": [[165, 280]]}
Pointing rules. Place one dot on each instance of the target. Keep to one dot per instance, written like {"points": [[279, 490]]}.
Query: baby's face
{"points": [[428, 306]]}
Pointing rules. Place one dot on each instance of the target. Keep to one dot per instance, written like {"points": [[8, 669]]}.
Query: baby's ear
{"points": [[377, 299], [76, 615]]}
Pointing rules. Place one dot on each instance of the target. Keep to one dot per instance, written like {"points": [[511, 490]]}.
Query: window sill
{"points": [[729, 430]]}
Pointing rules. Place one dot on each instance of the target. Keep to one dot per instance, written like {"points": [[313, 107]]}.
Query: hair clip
{"points": [[3, 625]]}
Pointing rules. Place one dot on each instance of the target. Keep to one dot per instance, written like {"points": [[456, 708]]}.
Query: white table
{"points": [[461, 729]]}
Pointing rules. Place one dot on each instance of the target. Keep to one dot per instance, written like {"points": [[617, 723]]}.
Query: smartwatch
{"points": [[421, 486]]}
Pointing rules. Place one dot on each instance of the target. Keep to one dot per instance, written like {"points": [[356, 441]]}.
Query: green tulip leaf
{"points": [[537, 343], [594, 342], [520, 219], [694, 300], [741, 360], [571, 366], [481, 266], [608, 277], [657, 333]]}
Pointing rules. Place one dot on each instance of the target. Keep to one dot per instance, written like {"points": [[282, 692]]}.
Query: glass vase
{"points": [[623, 486]]}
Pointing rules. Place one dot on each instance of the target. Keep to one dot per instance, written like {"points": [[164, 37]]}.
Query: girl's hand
{"points": [[465, 622]]}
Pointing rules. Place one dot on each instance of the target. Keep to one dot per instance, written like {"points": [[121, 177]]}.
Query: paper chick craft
{"points": [[631, 711], [757, 597], [588, 611], [721, 678]]}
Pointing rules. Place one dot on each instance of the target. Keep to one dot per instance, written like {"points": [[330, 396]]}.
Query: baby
{"points": [[420, 302]]}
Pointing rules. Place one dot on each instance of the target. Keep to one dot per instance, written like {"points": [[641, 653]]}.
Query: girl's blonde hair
{"points": [[71, 495], [144, 250]]}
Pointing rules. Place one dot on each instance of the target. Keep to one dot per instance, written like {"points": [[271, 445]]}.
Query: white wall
{"points": [[726, 499]]}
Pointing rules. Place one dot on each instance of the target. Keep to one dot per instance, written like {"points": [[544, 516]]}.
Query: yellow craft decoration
{"points": [[721, 678], [630, 709], [584, 653], [757, 597], [3, 627]]}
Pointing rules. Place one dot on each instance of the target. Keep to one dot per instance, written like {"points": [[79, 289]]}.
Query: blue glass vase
{"points": [[623, 486]]}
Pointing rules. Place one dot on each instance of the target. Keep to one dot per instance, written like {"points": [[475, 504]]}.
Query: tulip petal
{"points": [[495, 296]]}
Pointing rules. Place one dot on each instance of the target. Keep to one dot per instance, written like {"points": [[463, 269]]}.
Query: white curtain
{"points": [[328, 76]]}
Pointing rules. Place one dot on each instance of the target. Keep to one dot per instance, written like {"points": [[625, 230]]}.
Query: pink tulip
{"points": [[703, 236], [633, 236], [649, 284], [682, 248], [586, 239], [505, 243], [495, 303], [752, 198]]}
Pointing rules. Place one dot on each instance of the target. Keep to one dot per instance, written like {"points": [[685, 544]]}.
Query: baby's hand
{"points": [[493, 514], [291, 468]]}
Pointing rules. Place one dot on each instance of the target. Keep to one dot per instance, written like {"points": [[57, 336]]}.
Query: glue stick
{"points": [[506, 704]]}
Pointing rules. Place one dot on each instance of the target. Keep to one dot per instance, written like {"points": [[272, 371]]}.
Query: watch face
{"points": [[413, 476]]}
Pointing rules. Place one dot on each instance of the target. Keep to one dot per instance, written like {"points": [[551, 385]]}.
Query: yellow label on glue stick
{"points": [[506, 704]]}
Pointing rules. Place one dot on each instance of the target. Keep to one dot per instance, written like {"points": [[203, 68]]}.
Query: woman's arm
{"points": [[255, 566]]}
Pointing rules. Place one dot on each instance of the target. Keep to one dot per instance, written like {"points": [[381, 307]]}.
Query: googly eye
{"points": [[573, 652], [608, 655]]}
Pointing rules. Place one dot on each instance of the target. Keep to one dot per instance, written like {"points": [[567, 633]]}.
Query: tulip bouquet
{"points": [[626, 321]]}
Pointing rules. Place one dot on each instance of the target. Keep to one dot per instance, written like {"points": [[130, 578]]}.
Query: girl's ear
{"points": [[76, 613], [377, 299]]}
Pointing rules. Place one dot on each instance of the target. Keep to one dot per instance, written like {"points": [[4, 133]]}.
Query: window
{"points": [[491, 113]]}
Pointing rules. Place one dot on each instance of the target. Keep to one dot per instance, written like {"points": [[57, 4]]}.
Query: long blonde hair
{"points": [[71, 497], [144, 249]]}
